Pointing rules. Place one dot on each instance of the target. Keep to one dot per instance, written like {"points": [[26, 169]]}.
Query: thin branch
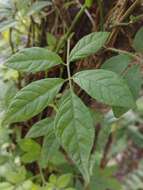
{"points": [[130, 10], [68, 64], [66, 36], [104, 159]]}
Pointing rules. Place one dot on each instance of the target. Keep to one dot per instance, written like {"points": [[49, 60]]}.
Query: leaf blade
{"points": [[133, 78], [88, 45], [137, 42], [32, 99], [33, 60], [105, 86], [117, 63], [50, 146], [26, 145], [75, 132], [40, 128]]}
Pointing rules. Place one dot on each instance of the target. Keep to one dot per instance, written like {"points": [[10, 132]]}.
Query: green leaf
{"points": [[137, 43], [106, 87], [32, 150], [37, 6], [64, 180], [119, 111], [51, 39], [40, 128], [32, 99], [134, 80], [75, 132], [5, 25], [53, 179], [50, 146], [27, 185], [16, 176], [33, 60], [117, 63], [88, 45], [103, 180]]}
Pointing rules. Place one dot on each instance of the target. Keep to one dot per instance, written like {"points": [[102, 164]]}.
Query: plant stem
{"points": [[137, 18], [68, 64], [10, 41], [100, 4], [130, 9], [42, 175], [125, 15], [66, 36], [125, 52]]}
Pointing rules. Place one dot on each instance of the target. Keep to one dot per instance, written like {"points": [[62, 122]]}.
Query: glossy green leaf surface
{"points": [[88, 45], [75, 132], [32, 99], [106, 87], [33, 60]]}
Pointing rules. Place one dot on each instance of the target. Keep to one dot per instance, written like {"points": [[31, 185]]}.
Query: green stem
{"points": [[66, 36], [68, 64], [125, 52], [42, 175]]}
